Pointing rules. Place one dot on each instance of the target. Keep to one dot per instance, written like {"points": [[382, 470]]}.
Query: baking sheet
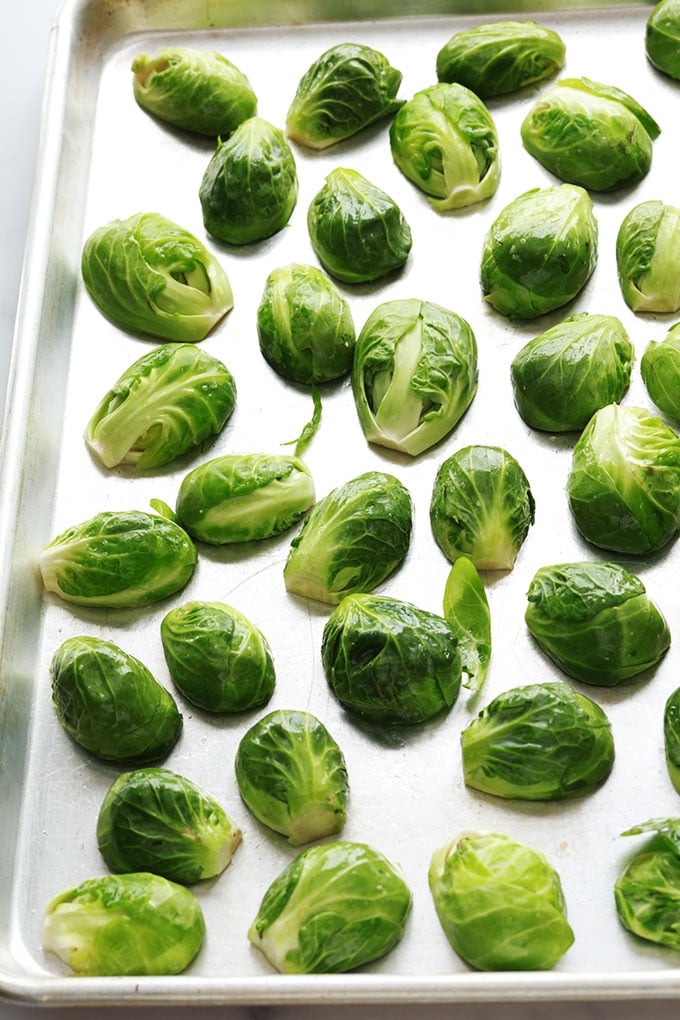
{"points": [[101, 158]]}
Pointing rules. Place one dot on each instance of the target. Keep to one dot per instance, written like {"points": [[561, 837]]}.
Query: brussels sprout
{"points": [[624, 483], [125, 924], [347, 88], [444, 140], [646, 892], [662, 37], [156, 820], [414, 375], [500, 903], [193, 89], [671, 736], [118, 559], [390, 661], [357, 231], [647, 254], [110, 704], [167, 402], [352, 540], [243, 497], [482, 507], [561, 377], [660, 370], [292, 775], [595, 621], [149, 275], [499, 57], [249, 188], [305, 326], [217, 658], [335, 907], [540, 251], [466, 608], [590, 134], [539, 742]]}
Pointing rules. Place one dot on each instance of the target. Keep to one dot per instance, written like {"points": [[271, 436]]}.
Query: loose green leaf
{"points": [[466, 608]]}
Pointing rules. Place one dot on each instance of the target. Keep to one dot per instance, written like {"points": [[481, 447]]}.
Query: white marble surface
{"points": [[22, 70]]}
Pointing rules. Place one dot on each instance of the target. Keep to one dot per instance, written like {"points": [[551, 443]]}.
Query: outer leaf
{"points": [[662, 37], [660, 370], [647, 248], [466, 607]]}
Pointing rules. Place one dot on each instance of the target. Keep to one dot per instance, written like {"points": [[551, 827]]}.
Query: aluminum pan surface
{"points": [[104, 158]]}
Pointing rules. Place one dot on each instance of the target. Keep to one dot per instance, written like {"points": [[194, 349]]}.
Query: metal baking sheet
{"points": [[102, 157]]}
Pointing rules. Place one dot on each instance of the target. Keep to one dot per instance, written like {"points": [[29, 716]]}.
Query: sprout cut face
{"points": [[645, 892], [647, 251], [660, 370], [336, 907]]}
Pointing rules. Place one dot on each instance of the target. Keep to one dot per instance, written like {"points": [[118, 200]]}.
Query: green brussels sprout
{"points": [[305, 326], [671, 736], [347, 88], [540, 251], [109, 702], [500, 903], [243, 497], [482, 507], [193, 89], [466, 608], [595, 621], [590, 134], [624, 484], [414, 375], [646, 892], [498, 57], [662, 37], [538, 742], [660, 370], [389, 661], [149, 275], [167, 402], [352, 540], [647, 253], [357, 231], [566, 374], [217, 658], [292, 776], [249, 188], [335, 907], [444, 141], [131, 924], [155, 820], [118, 559]]}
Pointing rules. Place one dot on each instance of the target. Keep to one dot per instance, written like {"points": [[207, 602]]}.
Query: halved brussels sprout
{"points": [[217, 658], [358, 232], [466, 608], [646, 892], [244, 497], [590, 134], [671, 736], [624, 483], [390, 661], [292, 775], [149, 275], [500, 903], [561, 377], [647, 253], [595, 621], [335, 907], [660, 370], [347, 88], [540, 251], [195, 89], [414, 375], [482, 507], [538, 742], [499, 57], [250, 186], [123, 559], [352, 540], [662, 37], [305, 326], [167, 402], [445, 141], [131, 924], [109, 702], [156, 820]]}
